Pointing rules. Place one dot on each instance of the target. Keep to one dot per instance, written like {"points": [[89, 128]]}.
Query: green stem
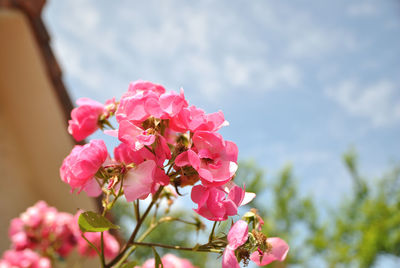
{"points": [[211, 237], [147, 232], [107, 123], [94, 247], [103, 261], [137, 210], [105, 209], [136, 230], [197, 249]]}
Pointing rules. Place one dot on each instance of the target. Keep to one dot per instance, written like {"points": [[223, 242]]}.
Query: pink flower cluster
{"points": [[42, 227], [42, 230], [23, 258], [168, 261], [163, 141]]}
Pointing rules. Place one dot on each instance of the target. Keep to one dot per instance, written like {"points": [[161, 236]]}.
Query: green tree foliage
{"points": [[365, 225]]}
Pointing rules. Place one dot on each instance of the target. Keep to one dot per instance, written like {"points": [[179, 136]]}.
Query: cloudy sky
{"points": [[298, 83]]}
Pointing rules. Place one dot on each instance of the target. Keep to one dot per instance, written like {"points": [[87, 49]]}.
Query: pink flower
{"points": [[278, 252], [23, 259], [170, 261], [111, 245], [134, 136], [237, 236], [140, 102], [145, 99], [84, 119], [80, 166], [212, 157], [217, 203]]}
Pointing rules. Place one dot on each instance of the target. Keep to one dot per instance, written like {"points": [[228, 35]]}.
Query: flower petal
{"points": [[229, 259], [138, 181], [278, 253], [238, 234]]}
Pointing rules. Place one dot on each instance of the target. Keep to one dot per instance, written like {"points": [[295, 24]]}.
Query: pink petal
{"points": [[138, 181], [162, 150], [229, 259], [172, 102], [215, 121], [141, 85], [131, 108], [92, 188], [152, 106], [89, 102], [230, 207], [188, 158], [236, 194], [232, 151], [206, 176], [199, 195], [146, 139], [111, 132], [278, 253], [238, 234]]}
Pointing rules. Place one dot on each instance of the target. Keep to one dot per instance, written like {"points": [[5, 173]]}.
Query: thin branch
{"points": [[137, 210], [210, 238], [147, 232], [197, 249], [136, 230], [103, 261], [94, 247]]}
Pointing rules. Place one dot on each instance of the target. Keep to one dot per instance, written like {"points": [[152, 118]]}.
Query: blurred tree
{"points": [[365, 225], [353, 234], [285, 212]]}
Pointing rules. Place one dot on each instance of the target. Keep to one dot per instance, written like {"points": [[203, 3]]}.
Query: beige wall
{"points": [[33, 137]]}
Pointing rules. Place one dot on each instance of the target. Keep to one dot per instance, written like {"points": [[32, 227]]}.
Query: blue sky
{"points": [[298, 82]]}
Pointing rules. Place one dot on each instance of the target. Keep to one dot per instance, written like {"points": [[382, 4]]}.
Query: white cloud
{"points": [[286, 75], [190, 44], [378, 102], [364, 8], [317, 42], [301, 33], [240, 73], [237, 72]]}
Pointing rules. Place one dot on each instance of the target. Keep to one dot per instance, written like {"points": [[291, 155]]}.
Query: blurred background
{"points": [[311, 91]]}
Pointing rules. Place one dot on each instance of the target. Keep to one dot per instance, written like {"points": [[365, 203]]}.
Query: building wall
{"points": [[33, 136]]}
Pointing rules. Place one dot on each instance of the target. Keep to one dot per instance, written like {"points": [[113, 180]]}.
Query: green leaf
{"points": [[158, 262], [129, 264], [90, 221]]}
